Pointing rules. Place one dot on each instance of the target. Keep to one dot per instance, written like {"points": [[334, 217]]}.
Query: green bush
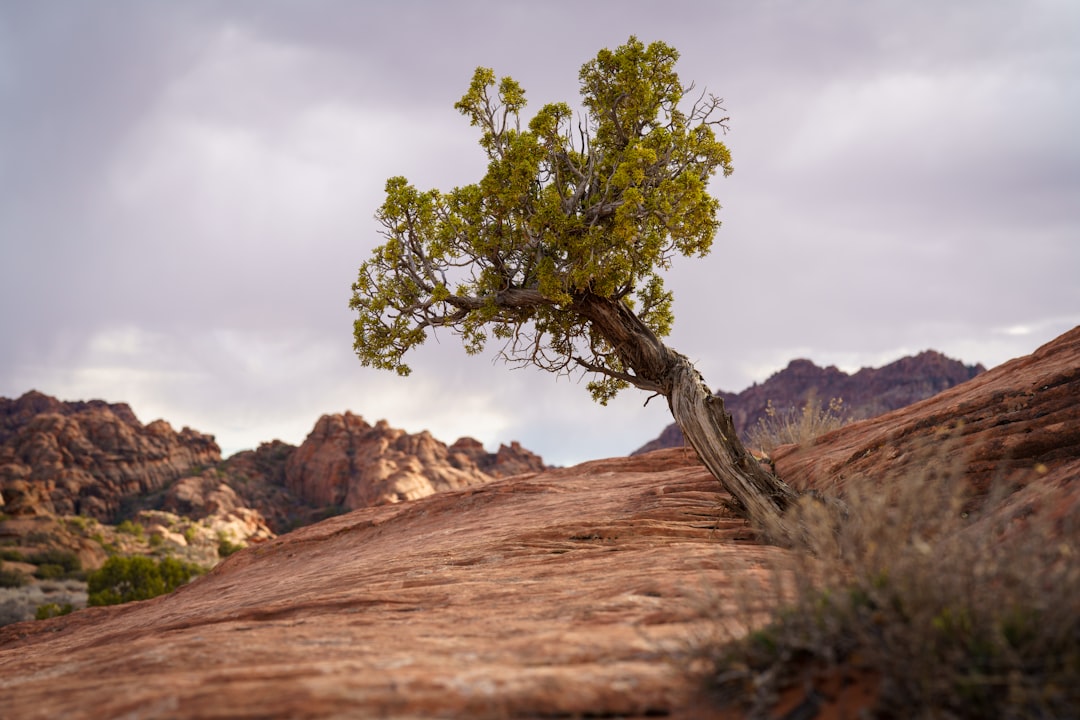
{"points": [[54, 563], [51, 610], [227, 547], [49, 571], [129, 528], [11, 555], [124, 579], [12, 578], [79, 521]]}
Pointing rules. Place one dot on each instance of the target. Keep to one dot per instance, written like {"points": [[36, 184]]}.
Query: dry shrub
{"points": [[958, 606], [796, 426]]}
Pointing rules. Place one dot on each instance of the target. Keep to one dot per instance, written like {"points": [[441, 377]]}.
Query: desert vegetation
{"points": [[147, 555], [124, 579], [795, 425], [940, 601]]}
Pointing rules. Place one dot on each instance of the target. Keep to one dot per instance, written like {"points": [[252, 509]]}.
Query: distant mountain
{"points": [[867, 393]]}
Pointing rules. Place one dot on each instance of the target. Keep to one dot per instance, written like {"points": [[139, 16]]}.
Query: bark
{"points": [[701, 416], [708, 428]]}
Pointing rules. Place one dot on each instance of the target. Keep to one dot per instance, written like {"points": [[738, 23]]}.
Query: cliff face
{"points": [[866, 393], [88, 458]]}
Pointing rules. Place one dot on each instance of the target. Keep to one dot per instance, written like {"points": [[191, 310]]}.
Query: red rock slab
{"points": [[1017, 423], [567, 593]]}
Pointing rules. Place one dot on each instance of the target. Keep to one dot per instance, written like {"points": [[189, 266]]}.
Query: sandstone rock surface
{"points": [[1010, 424], [562, 592]]}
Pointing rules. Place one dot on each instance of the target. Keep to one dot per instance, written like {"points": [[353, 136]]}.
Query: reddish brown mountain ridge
{"points": [[85, 458], [866, 393], [97, 460], [566, 593]]}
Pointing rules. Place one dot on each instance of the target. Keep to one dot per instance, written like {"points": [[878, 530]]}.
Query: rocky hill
{"points": [[88, 458], [565, 593], [95, 459], [346, 463], [866, 393]]}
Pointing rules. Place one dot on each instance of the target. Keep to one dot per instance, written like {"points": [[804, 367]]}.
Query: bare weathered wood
{"points": [[704, 421]]}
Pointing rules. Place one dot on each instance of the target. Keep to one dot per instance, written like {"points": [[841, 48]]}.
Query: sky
{"points": [[188, 188]]}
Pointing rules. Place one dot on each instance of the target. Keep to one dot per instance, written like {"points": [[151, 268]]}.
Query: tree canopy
{"points": [[595, 206], [558, 251]]}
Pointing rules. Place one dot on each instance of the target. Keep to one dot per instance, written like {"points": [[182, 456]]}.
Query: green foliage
{"points": [[130, 528], [567, 211], [49, 571], [80, 522], [51, 610], [12, 578], [124, 579], [11, 555], [54, 563], [226, 546]]}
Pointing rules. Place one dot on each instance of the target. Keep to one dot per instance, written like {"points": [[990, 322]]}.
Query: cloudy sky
{"points": [[187, 189]]}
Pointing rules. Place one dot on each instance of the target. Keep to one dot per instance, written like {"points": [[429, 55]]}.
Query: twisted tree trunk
{"points": [[701, 416], [708, 428]]}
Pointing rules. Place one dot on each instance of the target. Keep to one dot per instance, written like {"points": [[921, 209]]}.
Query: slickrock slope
{"points": [[1014, 423], [86, 458], [561, 592], [866, 393]]}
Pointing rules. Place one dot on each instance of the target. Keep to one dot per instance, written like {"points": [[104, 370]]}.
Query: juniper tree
{"points": [[557, 252]]}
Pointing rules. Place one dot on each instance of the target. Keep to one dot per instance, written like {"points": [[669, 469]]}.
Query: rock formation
{"points": [[568, 593], [208, 498], [508, 460], [349, 463], [867, 393], [88, 458]]}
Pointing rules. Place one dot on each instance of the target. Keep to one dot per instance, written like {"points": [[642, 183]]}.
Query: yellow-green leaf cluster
{"points": [[568, 208]]}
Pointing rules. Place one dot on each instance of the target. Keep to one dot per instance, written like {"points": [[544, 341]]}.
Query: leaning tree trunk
{"points": [[705, 423], [709, 429]]}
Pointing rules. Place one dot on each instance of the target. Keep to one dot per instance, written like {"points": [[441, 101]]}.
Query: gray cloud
{"points": [[186, 190]]}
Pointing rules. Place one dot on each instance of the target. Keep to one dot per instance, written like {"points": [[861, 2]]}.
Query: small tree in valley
{"points": [[557, 252]]}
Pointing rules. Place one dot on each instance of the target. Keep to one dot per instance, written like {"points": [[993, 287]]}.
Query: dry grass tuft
{"points": [[796, 426], [956, 606]]}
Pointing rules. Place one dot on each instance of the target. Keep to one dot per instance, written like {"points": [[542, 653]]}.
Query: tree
{"points": [[124, 579], [557, 252]]}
